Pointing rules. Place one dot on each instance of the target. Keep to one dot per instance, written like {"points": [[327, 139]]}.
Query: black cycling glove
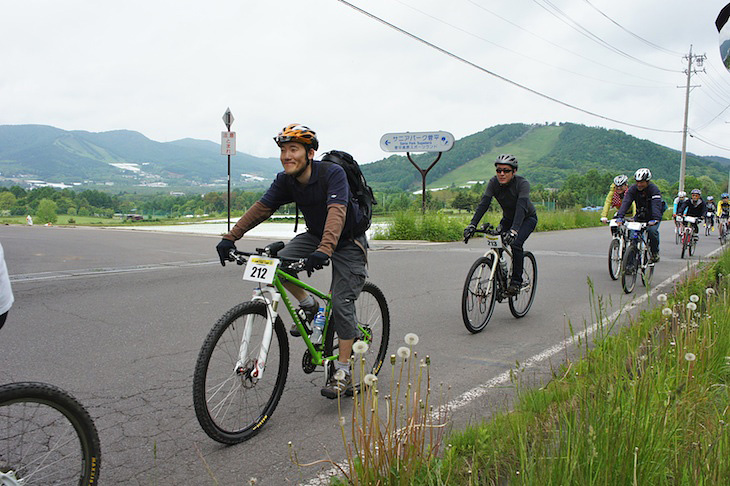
{"points": [[224, 249], [469, 232], [316, 261]]}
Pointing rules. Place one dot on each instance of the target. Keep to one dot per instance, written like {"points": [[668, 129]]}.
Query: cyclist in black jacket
{"points": [[695, 207], [648, 200], [519, 217]]}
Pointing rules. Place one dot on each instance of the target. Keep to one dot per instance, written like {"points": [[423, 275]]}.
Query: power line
{"points": [[632, 34], [539, 61], [480, 68], [694, 135], [567, 20], [561, 47]]}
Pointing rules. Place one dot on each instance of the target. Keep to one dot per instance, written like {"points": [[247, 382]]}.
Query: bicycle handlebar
{"points": [[486, 229], [294, 264]]}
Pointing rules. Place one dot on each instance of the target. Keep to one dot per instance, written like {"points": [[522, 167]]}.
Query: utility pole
{"points": [[690, 58]]}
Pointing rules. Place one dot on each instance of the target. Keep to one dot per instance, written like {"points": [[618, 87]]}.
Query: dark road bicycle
{"points": [[243, 364], [488, 279], [637, 258]]}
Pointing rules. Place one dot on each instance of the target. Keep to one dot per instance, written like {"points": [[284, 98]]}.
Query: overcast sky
{"points": [[169, 69]]}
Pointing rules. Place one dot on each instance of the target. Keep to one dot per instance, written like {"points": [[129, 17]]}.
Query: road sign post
{"points": [[418, 142], [228, 147]]}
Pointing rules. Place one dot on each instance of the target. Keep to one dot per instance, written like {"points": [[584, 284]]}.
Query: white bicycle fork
{"points": [[272, 305]]}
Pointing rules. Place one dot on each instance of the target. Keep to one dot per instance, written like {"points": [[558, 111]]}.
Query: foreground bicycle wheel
{"points": [[631, 267], [614, 259], [521, 303], [46, 437], [685, 244], [478, 296], [231, 404], [373, 321]]}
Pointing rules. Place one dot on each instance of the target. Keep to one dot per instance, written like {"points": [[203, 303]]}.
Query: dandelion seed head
{"points": [[694, 298], [692, 306], [709, 291], [360, 347], [411, 339], [690, 357], [661, 297], [339, 375], [369, 379], [404, 352], [667, 311]]}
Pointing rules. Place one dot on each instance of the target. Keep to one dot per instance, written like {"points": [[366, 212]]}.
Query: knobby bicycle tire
{"points": [[614, 259], [520, 304], [47, 436], [373, 318], [630, 269], [231, 405], [692, 246], [479, 295]]}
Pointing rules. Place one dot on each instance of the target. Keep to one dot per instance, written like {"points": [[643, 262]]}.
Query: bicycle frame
{"points": [[496, 248], [271, 297]]}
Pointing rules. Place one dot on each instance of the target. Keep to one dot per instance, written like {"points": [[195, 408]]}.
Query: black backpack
{"points": [[361, 194]]}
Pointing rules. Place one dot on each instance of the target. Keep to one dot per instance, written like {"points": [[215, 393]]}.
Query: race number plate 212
{"points": [[260, 269]]}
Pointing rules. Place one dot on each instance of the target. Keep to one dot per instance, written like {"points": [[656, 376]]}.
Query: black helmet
{"points": [[507, 159]]}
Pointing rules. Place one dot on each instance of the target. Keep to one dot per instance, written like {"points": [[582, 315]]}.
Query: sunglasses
{"points": [[506, 171]]}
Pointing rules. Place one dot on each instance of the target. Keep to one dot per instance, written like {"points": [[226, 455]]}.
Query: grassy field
{"points": [[646, 404]]}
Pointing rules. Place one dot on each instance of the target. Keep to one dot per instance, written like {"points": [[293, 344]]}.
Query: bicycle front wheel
{"points": [[231, 403], [373, 324], [46, 437], [692, 244], [478, 296], [614, 259], [631, 267], [521, 303], [685, 244]]}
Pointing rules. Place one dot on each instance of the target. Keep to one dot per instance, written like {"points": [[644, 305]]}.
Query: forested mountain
{"points": [[124, 157], [548, 154]]}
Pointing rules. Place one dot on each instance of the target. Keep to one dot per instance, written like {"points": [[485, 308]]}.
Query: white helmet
{"points": [[620, 180], [642, 174], [681, 194]]}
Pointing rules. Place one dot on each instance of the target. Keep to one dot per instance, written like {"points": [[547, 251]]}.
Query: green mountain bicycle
{"points": [[243, 364]]}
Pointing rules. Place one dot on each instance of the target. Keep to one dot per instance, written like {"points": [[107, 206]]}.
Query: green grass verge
{"points": [[648, 404]]}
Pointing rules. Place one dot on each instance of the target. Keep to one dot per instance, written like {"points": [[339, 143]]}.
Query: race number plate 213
{"points": [[261, 269]]}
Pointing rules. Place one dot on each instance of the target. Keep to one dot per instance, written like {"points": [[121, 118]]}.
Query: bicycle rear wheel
{"points": [[373, 323], [692, 244], [478, 296], [521, 303], [677, 234], [231, 404], [614, 259], [46, 437], [631, 267], [647, 270]]}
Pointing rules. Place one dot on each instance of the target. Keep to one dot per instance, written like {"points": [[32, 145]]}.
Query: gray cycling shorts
{"points": [[349, 271]]}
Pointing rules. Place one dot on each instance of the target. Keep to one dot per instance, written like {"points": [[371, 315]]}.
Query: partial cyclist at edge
{"points": [[322, 193], [519, 217], [723, 208], [695, 207], [711, 208], [648, 199], [615, 197]]}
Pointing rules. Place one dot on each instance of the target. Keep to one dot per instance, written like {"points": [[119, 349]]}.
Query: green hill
{"points": [[122, 156], [548, 154]]}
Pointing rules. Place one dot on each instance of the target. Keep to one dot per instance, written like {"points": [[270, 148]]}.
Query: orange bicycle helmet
{"points": [[297, 133]]}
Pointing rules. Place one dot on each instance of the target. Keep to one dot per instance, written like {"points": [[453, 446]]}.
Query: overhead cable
{"points": [[632, 34], [556, 12], [491, 73]]}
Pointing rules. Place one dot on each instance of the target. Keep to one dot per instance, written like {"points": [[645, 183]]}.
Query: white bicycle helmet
{"points": [[697, 191], [642, 174], [681, 194], [507, 159], [710, 198], [620, 180]]}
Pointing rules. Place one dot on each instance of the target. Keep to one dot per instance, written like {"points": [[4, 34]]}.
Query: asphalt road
{"points": [[117, 318]]}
